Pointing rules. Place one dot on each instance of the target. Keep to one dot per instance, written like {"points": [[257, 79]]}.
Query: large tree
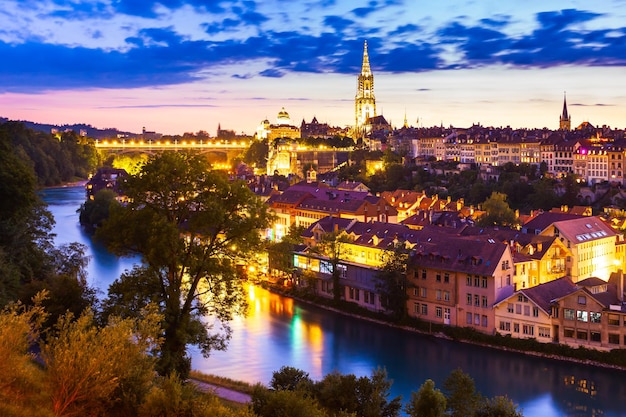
{"points": [[334, 247], [391, 281], [191, 226], [498, 212]]}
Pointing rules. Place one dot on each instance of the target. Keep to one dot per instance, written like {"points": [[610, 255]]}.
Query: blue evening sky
{"points": [[186, 65]]}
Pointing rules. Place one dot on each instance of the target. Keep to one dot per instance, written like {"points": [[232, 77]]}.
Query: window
{"points": [[423, 292], [446, 296], [568, 333], [416, 308], [543, 331], [582, 335], [484, 301], [484, 321], [476, 300], [477, 319], [483, 283], [446, 278], [613, 320], [535, 311], [424, 309], [582, 316], [614, 338], [569, 314], [468, 318], [438, 294], [528, 330], [516, 327], [476, 281], [438, 277], [468, 281], [595, 317], [469, 299], [438, 312], [518, 309], [343, 271], [416, 291], [595, 337], [527, 310], [582, 300], [326, 267], [423, 274], [509, 308], [505, 326]]}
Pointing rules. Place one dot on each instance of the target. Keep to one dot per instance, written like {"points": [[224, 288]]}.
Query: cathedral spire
{"points": [[365, 68], [565, 120]]}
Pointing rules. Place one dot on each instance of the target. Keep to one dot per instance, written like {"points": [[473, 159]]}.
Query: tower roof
{"points": [[564, 116], [365, 68]]}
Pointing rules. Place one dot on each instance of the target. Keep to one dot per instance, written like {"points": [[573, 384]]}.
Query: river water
{"points": [[279, 331]]}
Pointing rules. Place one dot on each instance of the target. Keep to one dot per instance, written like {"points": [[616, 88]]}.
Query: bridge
{"points": [[215, 150]]}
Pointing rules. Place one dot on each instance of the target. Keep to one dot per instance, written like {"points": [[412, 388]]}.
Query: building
{"points": [[527, 314], [282, 129], [364, 101]]}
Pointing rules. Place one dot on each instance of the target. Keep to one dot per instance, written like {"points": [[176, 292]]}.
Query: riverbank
{"points": [[531, 347]]}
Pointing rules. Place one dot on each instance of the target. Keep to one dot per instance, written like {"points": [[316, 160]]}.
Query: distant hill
{"points": [[91, 131]]}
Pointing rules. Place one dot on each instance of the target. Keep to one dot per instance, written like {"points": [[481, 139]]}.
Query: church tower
{"points": [[565, 120], [364, 102]]}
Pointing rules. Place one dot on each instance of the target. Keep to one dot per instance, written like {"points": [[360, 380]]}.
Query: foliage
{"points": [[391, 281], [21, 380], [94, 212], [281, 253], [86, 364], [284, 403], [257, 153], [427, 401], [461, 396], [498, 407], [289, 378], [335, 393], [333, 246], [54, 160], [498, 212], [192, 227]]}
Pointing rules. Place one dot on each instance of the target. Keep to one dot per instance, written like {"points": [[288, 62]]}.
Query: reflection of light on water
{"points": [[581, 385], [542, 406]]}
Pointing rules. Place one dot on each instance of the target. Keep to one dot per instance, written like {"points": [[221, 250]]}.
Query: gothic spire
{"points": [[365, 68], [564, 116]]}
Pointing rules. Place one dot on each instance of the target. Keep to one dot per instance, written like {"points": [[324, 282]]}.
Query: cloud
{"points": [[591, 105], [156, 106]]}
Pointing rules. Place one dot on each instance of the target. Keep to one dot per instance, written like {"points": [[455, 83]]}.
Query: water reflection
{"points": [[283, 332]]}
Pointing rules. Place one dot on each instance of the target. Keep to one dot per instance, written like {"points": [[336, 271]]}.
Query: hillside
{"points": [[91, 131]]}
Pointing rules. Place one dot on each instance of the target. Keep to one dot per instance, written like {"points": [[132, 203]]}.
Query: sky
{"points": [[176, 66]]}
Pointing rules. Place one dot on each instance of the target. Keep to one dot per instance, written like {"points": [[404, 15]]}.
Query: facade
{"points": [[592, 244], [364, 101], [527, 314]]}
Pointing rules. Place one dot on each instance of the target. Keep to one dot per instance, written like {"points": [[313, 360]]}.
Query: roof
{"points": [[543, 294], [544, 220], [584, 229]]}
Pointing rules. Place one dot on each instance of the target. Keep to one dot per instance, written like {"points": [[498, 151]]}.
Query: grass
{"points": [[220, 381]]}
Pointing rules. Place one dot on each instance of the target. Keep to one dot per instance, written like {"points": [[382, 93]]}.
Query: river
{"points": [[279, 331]]}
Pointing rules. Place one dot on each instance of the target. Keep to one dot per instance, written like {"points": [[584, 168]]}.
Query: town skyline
{"points": [[187, 66]]}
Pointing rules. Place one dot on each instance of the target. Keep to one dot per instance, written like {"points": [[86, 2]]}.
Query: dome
{"points": [[283, 117]]}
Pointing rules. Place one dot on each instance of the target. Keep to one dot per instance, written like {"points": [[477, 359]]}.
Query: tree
{"points": [[333, 246], [500, 406], [363, 396], [89, 368], [498, 212], [461, 396], [427, 401], [289, 378], [192, 227], [281, 253], [391, 281], [22, 388], [94, 212]]}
